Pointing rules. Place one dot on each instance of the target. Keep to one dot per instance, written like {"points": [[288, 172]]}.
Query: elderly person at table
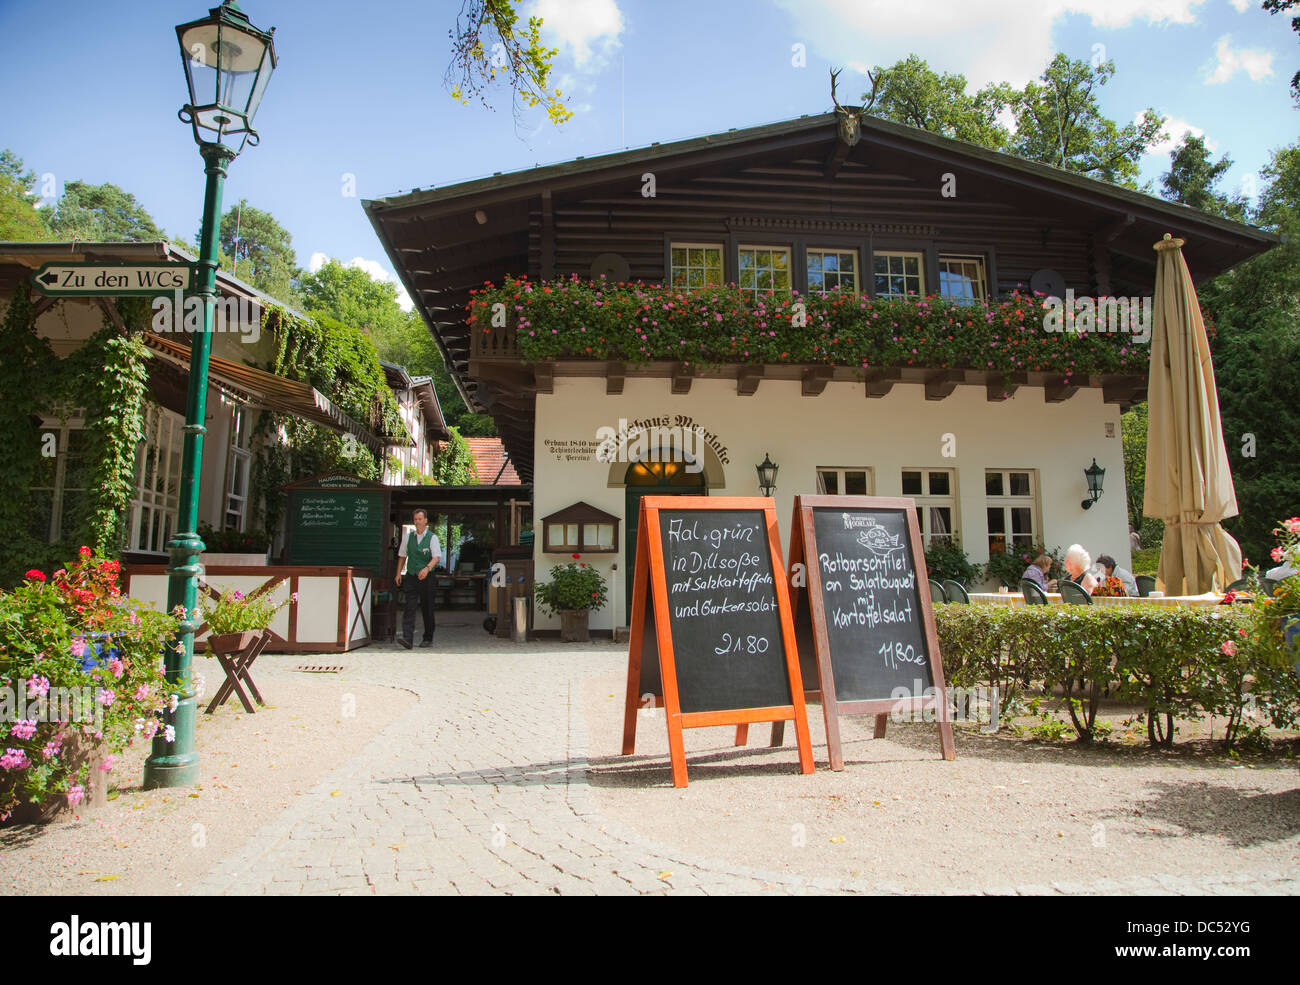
{"points": [[1037, 571], [1077, 563], [1112, 570]]}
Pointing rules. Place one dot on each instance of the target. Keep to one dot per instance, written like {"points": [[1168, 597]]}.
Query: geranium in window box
{"points": [[240, 548]]}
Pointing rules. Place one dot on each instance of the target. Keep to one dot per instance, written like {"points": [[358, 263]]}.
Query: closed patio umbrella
{"points": [[1188, 482]]}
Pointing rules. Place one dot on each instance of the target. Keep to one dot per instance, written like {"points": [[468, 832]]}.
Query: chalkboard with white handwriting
{"points": [[871, 604], [722, 611]]}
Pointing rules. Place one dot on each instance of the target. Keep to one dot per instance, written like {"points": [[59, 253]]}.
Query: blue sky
{"points": [[359, 88]]}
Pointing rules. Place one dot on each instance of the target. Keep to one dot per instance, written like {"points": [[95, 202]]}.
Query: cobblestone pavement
{"points": [[481, 787]]}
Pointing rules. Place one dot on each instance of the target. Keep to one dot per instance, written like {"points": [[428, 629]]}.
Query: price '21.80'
{"points": [[741, 644]]}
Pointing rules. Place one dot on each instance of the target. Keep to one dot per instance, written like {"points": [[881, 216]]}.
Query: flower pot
{"points": [[214, 559], [233, 642], [78, 750], [573, 625]]}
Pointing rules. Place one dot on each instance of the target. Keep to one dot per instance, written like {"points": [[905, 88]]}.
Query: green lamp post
{"points": [[228, 63]]}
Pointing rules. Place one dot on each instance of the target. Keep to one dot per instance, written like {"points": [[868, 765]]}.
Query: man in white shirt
{"points": [[417, 554]]}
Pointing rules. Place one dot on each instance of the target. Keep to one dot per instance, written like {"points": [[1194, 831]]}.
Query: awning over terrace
{"points": [[266, 391]]}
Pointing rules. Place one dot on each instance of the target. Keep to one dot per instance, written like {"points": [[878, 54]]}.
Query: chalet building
{"points": [[992, 449], [422, 415]]}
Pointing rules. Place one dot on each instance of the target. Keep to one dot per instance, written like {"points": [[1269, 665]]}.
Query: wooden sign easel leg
{"points": [[636, 636], [947, 749], [881, 721]]}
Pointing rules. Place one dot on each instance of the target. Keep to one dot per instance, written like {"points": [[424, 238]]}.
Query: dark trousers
{"points": [[418, 593]]}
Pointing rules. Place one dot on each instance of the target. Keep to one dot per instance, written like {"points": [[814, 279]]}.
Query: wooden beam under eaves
{"points": [[1003, 385], [683, 377], [814, 380], [615, 374], [747, 380], [1062, 389], [880, 381], [544, 375], [942, 383]]}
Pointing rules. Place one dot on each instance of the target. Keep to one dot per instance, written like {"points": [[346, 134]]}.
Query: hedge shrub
{"points": [[1175, 662]]}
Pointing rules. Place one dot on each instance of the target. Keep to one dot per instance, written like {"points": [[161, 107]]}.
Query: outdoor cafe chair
{"points": [[1240, 585], [936, 592], [1146, 584], [1072, 594], [1032, 593], [955, 591]]}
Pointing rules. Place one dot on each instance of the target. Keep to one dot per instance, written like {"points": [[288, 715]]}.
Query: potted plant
{"points": [[574, 589], [241, 548], [235, 620], [1283, 606], [81, 678]]}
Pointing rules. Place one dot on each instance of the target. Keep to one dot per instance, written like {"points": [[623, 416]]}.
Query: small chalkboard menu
{"points": [[336, 519], [711, 639], [861, 597]]}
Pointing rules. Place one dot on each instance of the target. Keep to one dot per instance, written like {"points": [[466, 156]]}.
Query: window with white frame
{"points": [[238, 465], [836, 481], [695, 265], [765, 268], [1011, 499], [158, 477], [961, 279], [936, 502], [829, 269], [899, 274], [58, 491]]}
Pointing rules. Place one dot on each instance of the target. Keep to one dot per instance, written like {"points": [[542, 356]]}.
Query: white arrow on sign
{"points": [[112, 279]]}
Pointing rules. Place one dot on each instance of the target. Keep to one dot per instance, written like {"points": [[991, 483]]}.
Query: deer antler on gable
{"points": [[851, 120]]}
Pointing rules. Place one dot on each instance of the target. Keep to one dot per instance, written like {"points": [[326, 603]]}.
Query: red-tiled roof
{"points": [[489, 455]]}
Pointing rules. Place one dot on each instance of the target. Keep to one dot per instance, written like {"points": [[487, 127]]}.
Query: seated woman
{"points": [[1077, 563], [1037, 571], [1115, 581]]}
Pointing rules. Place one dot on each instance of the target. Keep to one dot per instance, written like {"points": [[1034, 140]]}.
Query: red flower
{"points": [[35, 575], [576, 556], [85, 551]]}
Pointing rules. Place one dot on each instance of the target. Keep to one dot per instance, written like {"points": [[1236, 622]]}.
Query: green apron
{"points": [[418, 557]]}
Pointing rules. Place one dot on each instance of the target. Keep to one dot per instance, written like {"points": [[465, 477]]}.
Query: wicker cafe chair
{"points": [[1072, 594], [956, 591], [1240, 585], [1266, 586], [936, 592], [1032, 593], [1146, 584]]}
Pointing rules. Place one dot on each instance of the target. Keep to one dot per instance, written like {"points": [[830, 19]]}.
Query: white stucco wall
{"points": [[842, 427]]}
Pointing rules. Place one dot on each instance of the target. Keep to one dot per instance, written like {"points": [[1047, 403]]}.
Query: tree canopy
{"points": [[260, 250], [102, 213], [20, 220], [1192, 179], [1058, 119], [489, 45]]}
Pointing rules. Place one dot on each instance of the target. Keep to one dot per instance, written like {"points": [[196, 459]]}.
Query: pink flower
{"points": [[106, 697], [76, 794], [107, 765], [169, 733], [14, 759], [23, 729], [151, 729], [1228, 647], [142, 692], [237, 595], [79, 648], [294, 598], [172, 702], [1278, 554], [1292, 525], [38, 687], [53, 747], [115, 667]]}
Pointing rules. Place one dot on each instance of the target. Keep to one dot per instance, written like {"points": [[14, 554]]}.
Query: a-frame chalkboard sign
{"points": [[712, 641], [861, 598]]}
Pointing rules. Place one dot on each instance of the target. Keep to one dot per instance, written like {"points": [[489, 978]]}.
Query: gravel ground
{"points": [[1007, 812], [162, 841]]}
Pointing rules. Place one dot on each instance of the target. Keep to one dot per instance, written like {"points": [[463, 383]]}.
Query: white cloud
{"points": [[1175, 130], [985, 40], [372, 267], [587, 30], [1254, 62], [1241, 6]]}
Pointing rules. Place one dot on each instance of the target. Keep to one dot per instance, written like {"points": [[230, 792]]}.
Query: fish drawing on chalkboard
{"points": [[879, 541]]}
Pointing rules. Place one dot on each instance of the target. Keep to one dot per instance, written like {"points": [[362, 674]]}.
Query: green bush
{"points": [[1176, 662], [1146, 561], [946, 559]]}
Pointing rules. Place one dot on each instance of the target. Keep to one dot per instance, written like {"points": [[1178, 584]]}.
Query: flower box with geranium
{"points": [[575, 589], [241, 548], [81, 678]]}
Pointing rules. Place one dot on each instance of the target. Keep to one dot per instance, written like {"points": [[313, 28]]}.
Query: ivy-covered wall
{"points": [[108, 377]]}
